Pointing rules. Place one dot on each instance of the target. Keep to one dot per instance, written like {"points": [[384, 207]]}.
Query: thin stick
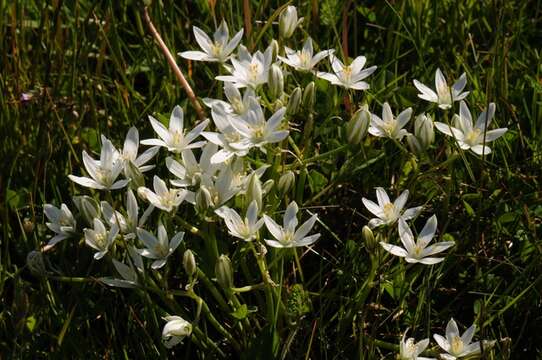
{"points": [[171, 61]]}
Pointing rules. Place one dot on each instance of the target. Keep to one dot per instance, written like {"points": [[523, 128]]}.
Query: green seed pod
{"points": [[189, 263], [294, 101], [357, 127], [224, 272]]}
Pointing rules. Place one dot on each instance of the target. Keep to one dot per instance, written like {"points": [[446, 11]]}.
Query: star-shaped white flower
{"points": [[469, 136], [218, 50], [250, 70], [130, 149], [174, 138], [348, 76], [190, 171], [409, 350], [245, 229], [387, 212], [103, 172], [99, 238], [304, 60], [457, 346], [162, 197], [389, 126], [418, 252], [61, 221], [287, 236], [236, 104], [158, 249], [444, 96]]}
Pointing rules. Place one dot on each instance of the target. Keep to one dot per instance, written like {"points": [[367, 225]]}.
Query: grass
{"points": [[91, 67]]}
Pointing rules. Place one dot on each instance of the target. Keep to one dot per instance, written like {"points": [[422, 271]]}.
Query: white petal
{"points": [[395, 250], [273, 227], [382, 197]]}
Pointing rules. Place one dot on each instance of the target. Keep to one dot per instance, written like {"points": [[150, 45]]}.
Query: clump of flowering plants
{"points": [[212, 217]]}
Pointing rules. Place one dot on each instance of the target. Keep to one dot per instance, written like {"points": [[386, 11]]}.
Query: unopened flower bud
{"points": [[288, 22], [267, 186], [275, 52], [135, 175], [224, 272], [414, 145], [28, 225], [309, 96], [276, 81], [36, 263], [294, 101], [88, 208], [286, 182], [189, 262], [203, 199], [175, 330], [254, 190], [424, 130], [369, 239], [357, 127]]}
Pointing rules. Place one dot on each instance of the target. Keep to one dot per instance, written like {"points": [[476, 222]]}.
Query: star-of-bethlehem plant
{"points": [[229, 189]]}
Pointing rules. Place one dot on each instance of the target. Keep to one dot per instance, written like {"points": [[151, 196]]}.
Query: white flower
{"points": [[237, 104], [103, 172], [469, 136], [350, 76], [162, 197], [229, 139], [190, 172], [288, 21], [128, 273], [287, 236], [61, 221], [218, 50], [387, 212], [389, 126], [247, 228], [217, 192], [127, 224], [130, 149], [455, 345], [443, 97], [418, 251], [158, 248], [174, 138], [99, 238], [304, 60], [409, 350], [249, 70], [175, 330], [255, 130]]}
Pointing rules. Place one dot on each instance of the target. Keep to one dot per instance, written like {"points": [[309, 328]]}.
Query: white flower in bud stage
{"points": [[469, 136], [245, 229], [303, 60], [174, 138], [255, 130], [61, 221], [218, 50], [443, 97], [228, 138], [162, 197], [175, 330], [418, 252], [348, 76], [250, 70], [409, 350], [158, 249], [130, 149], [389, 126], [99, 238], [103, 172], [288, 22], [387, 212], [287, 236], [455, 345]]}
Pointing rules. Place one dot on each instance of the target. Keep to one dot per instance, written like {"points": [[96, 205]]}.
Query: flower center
{"points": [[177, 138], [456, 347], [216, 49], [103, 175], [101, 241], [389, 127], [472, 137], [347, 74], [444, 95], [410, 349], [304, 59], [253, 71], [390, 212]]}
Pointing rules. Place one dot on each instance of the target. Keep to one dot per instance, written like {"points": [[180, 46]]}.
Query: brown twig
{"points": [[173, 64]]}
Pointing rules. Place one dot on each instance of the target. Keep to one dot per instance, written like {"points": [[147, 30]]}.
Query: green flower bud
{"points": [[309, 96], [254, 190], [294, 101], [369, 239], [203, 199], [189, 263], [224, 272], [276, 81], [135, 175], [414, 145], [88, 208], [288, 22], [275, 46], [424, 130], [286, 182], [357, 127]]}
